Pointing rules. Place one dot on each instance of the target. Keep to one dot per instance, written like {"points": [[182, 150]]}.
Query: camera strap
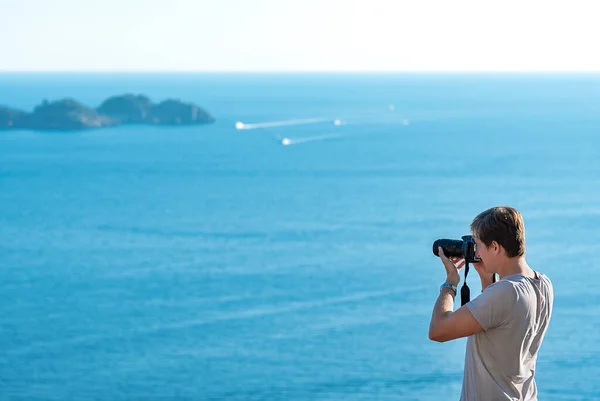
{"points": [[465, 292]]}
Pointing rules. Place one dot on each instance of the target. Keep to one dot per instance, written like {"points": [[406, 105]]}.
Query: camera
{"points": [[464, 248]]}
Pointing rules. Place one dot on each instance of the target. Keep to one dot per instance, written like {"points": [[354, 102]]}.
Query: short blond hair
{"points": [[504, 225]]}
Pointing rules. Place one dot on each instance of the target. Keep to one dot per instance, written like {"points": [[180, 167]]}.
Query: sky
{"points": [[305, 35]]}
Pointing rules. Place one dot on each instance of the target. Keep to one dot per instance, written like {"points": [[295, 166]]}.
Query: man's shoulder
{"points": [[502, 290], [520, 278], [501, 286], [544, 278], [546, 286], [528, 289]]}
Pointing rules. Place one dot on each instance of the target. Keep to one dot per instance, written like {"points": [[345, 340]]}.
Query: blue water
{"points": [[207, 263]]}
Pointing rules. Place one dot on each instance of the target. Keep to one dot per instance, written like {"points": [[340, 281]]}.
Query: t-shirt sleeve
{"points": [[493, 307]]}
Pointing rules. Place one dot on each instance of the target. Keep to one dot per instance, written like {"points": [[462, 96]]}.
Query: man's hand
{"points": [[453, 266]]}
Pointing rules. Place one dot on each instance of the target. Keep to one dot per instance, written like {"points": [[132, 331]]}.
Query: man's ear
{"points": [[496, 247]]}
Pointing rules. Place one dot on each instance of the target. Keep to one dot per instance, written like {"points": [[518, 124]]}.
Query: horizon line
{"points": [[299, 71]]}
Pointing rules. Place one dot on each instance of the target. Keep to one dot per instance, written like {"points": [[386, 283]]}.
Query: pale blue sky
{"points": [[290, 35]]}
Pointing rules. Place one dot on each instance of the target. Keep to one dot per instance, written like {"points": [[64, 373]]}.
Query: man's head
{"points": [[499, 233]]}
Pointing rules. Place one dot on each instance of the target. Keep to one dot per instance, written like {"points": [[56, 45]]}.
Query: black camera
{"points": [[464, 248]]}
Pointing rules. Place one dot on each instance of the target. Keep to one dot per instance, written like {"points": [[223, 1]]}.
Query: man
{"points": [[507, 322]]}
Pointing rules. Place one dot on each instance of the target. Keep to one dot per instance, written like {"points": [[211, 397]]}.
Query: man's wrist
{"points": [[454, 280], [449, 287]]}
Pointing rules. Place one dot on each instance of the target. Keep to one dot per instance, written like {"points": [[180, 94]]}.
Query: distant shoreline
{"points": [[69, 114]]}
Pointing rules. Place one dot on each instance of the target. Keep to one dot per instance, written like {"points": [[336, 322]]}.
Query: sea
{"points": [[290, 259]]}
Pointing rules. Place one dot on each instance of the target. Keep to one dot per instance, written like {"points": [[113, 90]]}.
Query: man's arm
{"points": [[447, 325]]}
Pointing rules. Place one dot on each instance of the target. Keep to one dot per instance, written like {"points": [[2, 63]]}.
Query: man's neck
{"points": [[516, 265]]}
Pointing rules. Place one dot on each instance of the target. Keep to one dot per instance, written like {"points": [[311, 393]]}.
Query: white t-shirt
{"points": [[500, 361]]}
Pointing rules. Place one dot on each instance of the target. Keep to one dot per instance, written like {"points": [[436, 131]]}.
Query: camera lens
{"points": [[451, 247]]}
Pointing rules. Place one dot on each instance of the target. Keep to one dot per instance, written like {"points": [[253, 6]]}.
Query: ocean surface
{"points": [[209, 263]]}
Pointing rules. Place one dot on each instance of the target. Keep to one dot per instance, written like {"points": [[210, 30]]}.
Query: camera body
{"points": [[464, 248]]}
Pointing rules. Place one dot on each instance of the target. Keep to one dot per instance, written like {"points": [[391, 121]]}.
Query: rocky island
{"points": [[68, 114]]}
